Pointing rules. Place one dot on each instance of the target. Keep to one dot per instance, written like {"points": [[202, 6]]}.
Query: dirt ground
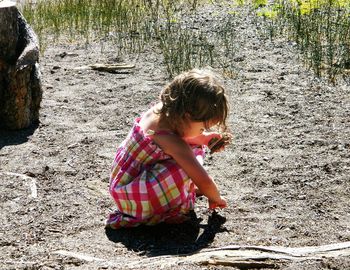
{"points": [[285, 175]]}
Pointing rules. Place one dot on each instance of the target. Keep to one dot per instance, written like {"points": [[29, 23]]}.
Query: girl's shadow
{"points": [[166, 239]]}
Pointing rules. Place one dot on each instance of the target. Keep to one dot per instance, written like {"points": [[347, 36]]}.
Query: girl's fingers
{"points": [[212, 138], [216, 144], [221, 204]]}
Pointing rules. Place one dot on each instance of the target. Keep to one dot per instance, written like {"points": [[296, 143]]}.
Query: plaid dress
{"points": [[147, 185]]}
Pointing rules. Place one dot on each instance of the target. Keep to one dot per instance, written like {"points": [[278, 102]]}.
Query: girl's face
{"points": [[194, 129]]}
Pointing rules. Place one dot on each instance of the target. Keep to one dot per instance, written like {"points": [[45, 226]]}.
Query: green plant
{"points": [[319, 27], [132, 25]]}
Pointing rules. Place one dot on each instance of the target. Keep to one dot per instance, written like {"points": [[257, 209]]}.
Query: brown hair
{"points": [[195, 95]]}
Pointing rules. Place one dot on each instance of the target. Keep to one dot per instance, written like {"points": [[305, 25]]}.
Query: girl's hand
{"points": [[221, 203], [210, 136], [204, 138], [217, 145]]}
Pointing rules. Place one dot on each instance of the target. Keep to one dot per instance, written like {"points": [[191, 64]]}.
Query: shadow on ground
{"points": [[166, 239], [14, 137]]}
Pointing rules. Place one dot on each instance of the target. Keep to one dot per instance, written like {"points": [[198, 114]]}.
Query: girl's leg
{"points": [[175, 193], [161, 193]]}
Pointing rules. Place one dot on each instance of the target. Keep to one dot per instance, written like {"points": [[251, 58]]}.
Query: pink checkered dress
{"points": [[147, 185]]}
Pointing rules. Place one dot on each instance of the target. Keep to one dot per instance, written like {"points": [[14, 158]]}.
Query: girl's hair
{"points": [[195, 95]]}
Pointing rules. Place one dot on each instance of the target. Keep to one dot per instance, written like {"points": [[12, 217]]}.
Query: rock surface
{"points": [[20, 85]]}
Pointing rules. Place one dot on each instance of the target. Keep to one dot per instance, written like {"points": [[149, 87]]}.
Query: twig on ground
{"points": [[243, 257], [80, 256], [112, 68], [31, 182]]}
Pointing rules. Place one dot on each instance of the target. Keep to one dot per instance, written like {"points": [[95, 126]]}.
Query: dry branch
{"points": [[243, 257], [30, 181], [112, 68]]}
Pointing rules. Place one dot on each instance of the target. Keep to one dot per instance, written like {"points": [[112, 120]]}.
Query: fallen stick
{"points": [[112, 68], [241, 264], [31, 182], [79, 256], [243, 257], [297, 251]]}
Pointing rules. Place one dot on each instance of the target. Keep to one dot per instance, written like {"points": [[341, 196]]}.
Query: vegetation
{"points": [[321, 28], [131, 24]]}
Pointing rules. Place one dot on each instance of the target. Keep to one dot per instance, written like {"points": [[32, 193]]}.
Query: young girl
{"points": [[158, 168]]}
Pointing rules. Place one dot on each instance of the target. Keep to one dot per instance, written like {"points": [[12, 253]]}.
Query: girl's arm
{"points": [[183, 155], [204, 138]]}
